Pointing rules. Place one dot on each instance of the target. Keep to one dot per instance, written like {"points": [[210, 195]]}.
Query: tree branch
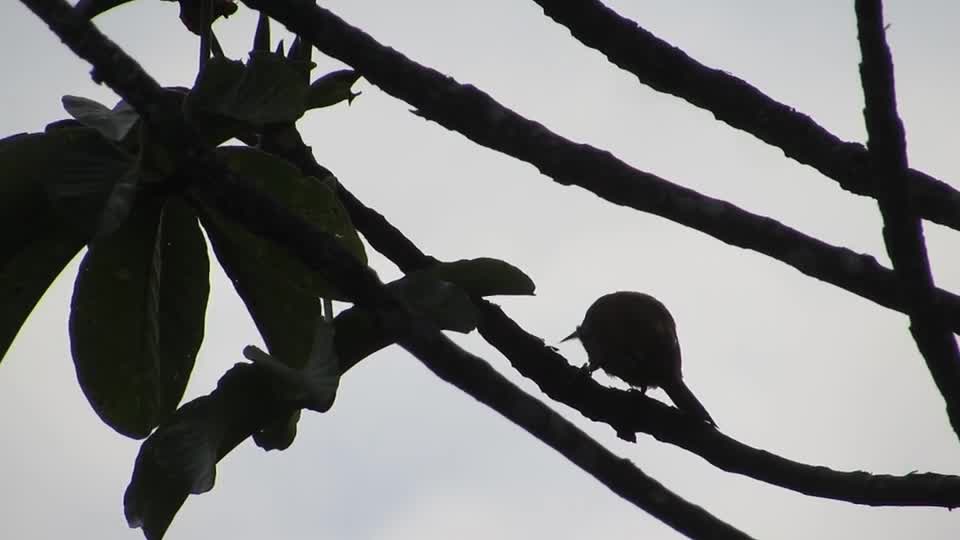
{"points": [[631, 412], [480, 118], [902, 230], [735, 102], [239, 200]]}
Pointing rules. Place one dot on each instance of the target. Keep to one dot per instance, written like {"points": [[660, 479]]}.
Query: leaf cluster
{"points": [[101, 180]]}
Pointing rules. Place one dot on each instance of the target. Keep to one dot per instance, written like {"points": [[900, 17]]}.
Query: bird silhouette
{"points": [[632, 336]]}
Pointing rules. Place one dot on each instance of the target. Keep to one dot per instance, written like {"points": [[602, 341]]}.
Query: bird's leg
{"points": [[589, 368], [642, 390]]}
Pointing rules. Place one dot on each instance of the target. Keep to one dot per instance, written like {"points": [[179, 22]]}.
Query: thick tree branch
{"points": [[631, 412], [479, 117], [668, 69], [902, 230], [239, 200]]}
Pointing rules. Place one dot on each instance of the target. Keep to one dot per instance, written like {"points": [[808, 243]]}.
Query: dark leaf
{"points": [[444, 303], [282, 295], [25, 277], [484, 277], [219, 77], [194, 17], [332, 88], [66, 123], [215, 48], [301, 51], [313, 386], [278, 434], [268, 89], [119, 203], [261, 37], [313, 199], [358, 333], [114, 124], [51, 197], [180, 457], [137, 314], [245, 403]]}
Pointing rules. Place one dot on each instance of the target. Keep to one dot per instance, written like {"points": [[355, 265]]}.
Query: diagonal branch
{"points": [[668, 69], [902, 230], [238, 199], [630, 412], [479, 117]]}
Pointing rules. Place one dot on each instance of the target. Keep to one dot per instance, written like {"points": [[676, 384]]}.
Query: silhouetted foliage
{"points": [[138, 183]]}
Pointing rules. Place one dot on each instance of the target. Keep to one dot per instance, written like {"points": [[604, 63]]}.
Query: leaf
{"points": [[332, 88], [137, 315], [28, 275], [278, 434], [176, 460], [114, 124], [314, 386], [66, 123], [269, 89], [180, 458], [446, 304], [281, 294], [193, 13], [484, 277], [311, 198], [261, 36], [301, 51], [359, 333], [51, 194]]}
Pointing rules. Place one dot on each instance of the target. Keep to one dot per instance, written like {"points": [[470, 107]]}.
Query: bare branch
{"points": [[239, 200], [902, 230], [479, 117], [629, 412], [735, 102]]}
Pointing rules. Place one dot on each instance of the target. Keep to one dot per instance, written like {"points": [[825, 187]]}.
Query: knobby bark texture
{"points": [[665, 68], [632, 412], [469, 111], [626, 412], [902, 228], [238, 199]]}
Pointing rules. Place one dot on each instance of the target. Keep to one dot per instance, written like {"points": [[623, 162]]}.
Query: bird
{"points": [[632, 336]]}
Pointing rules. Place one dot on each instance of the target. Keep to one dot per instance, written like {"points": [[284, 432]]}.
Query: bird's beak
{"points": [[574, 335]]}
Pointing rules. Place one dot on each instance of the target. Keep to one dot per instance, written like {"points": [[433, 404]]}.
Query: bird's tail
{"points": [[684, 399]]}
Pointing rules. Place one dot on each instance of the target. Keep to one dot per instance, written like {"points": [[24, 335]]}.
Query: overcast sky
{"points": [[782, 362]]}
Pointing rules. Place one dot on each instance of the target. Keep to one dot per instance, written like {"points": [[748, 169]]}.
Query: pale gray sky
{"points": [[782, 362]]}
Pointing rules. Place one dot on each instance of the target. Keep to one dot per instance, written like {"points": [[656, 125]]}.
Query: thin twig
{"points": [[902, 230]]}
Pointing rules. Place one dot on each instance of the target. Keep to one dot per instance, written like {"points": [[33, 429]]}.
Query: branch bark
{"points": [[630, 412], [480, 118], [239, 200], [740, 105], [902, 230]]}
